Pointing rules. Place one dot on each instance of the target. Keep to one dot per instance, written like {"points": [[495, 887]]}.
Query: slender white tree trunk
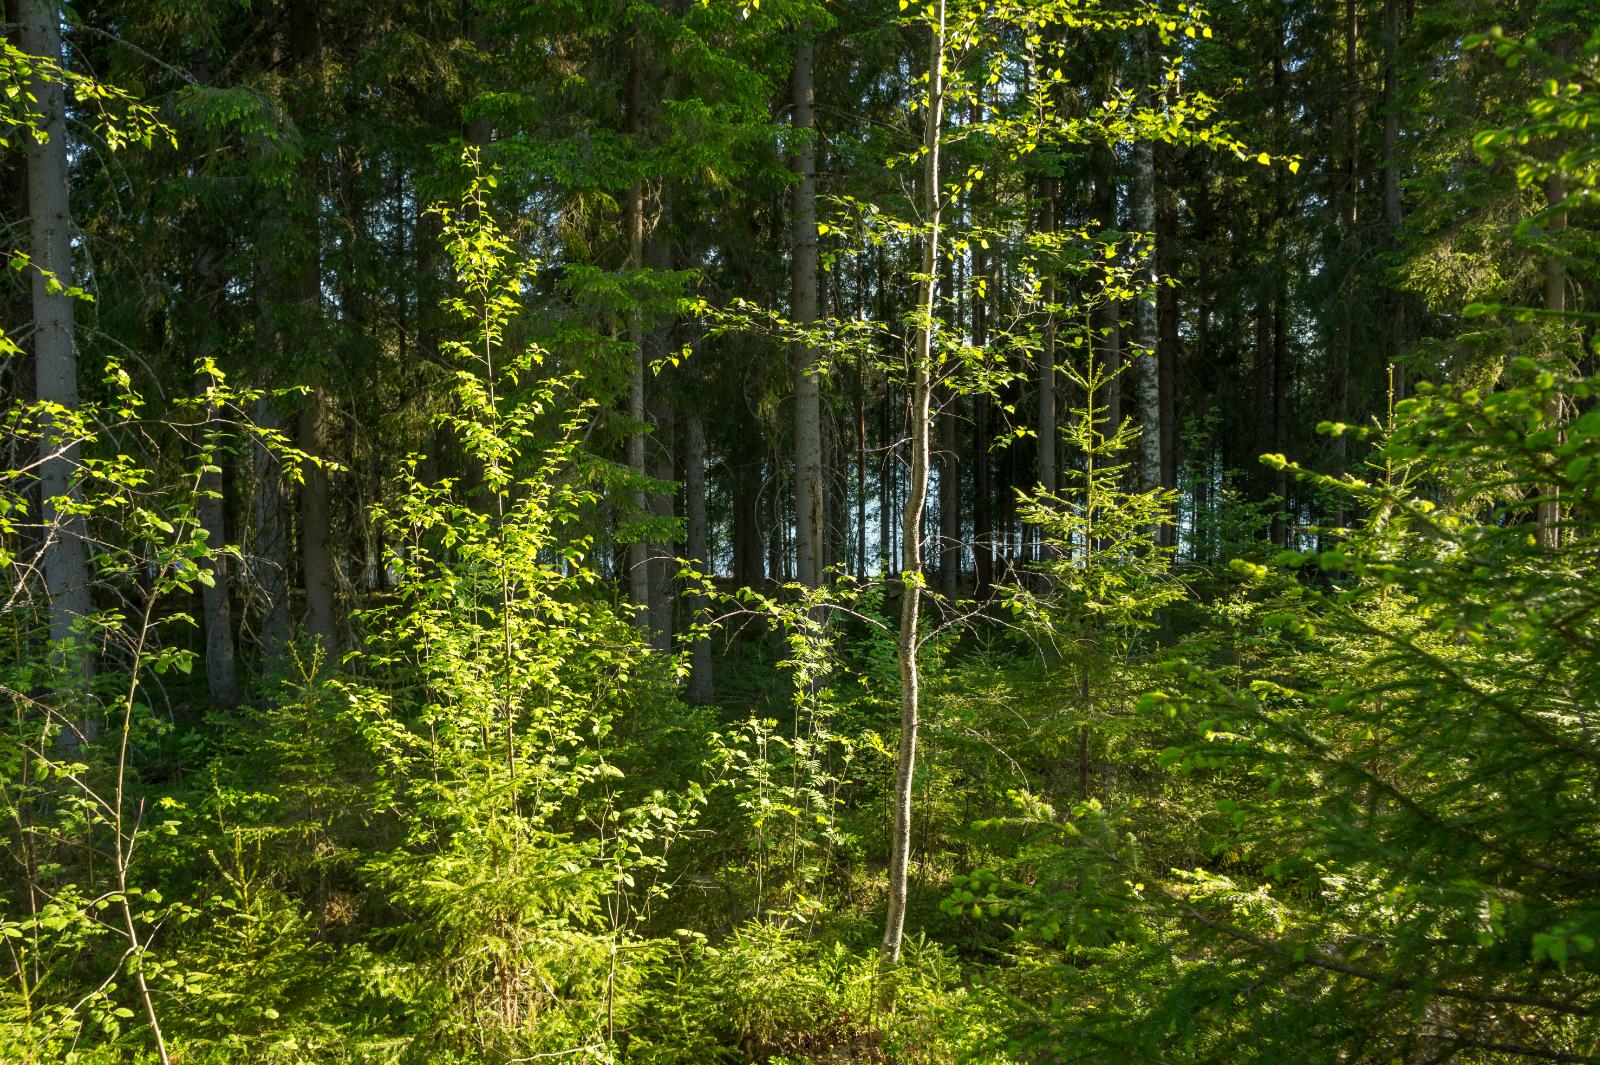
{"points": [[66, 559], [911, 562]]}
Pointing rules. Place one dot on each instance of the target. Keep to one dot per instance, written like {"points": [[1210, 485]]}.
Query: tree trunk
{"points": [[1392, 216], [269, 504], [835, 514], [1144, 221], [1045, 456], [808, 486], [1107, 317], [1011, 478], [316, 517], [949, 502], [776, 519], [982, 524], [1265, 439], [316, 512], [216, 609], [1167, 335], [633, 226], [1547, 517], [661, 566], [1280, 409], [886, 493], [1548, 514], [701, 688], [1344, 362], [65, 561], [861, 467], [660, 461], [1391, 114], [916, 498], [746, 531]]}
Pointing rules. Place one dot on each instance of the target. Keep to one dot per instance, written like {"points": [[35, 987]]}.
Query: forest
{"points": [[800, 531]]}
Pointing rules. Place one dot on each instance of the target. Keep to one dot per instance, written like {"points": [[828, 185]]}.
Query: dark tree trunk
{"points": [[1106, 317], [1045, 427], [633, 227], [746, 534], [65, 562], [982, 526], [1345, 357], [862, 563], [312, 433], [1167, 353], [698, 549], [808, 483], [316, 521]]}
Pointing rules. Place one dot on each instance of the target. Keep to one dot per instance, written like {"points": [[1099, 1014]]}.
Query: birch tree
{"points": [[911, 561]]}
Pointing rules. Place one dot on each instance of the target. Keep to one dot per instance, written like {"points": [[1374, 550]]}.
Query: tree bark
{"points": [[316, 518], [65, 561], [1264, 438], [808, 486], [1548, 513], [662, 440], [1144, 221], [661, 566], [269, 505], [776, 520], [1391, 114], [1392, 210], [216, 608], [949, 501], [1167, 340], [862, 564], [316, 511], [747, 547], [1344, 361], [1107, 317], [1045, 455], [1011, 477], [701, 681], [633, 227], [916, 497], [835, 507], [886, 487], [1547, 517], [1280, 407], [982, 523]]}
